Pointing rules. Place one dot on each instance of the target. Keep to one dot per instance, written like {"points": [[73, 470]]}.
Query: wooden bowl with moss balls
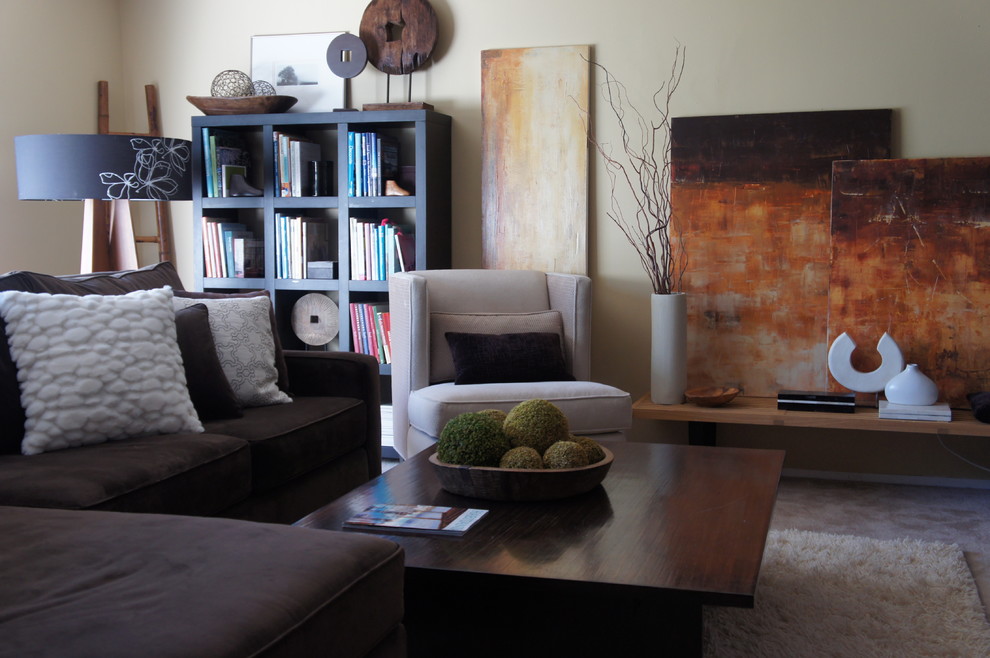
{"points": [[520, 484]]}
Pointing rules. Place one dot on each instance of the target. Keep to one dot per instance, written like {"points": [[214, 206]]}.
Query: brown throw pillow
{"points": [[208, 387], [280, 365], [517, 357]]}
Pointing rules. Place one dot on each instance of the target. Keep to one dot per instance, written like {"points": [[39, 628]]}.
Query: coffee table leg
{"points": [[701, 433]]}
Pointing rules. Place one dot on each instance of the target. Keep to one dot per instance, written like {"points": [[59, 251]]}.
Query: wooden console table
{"points": [[703, 421]]}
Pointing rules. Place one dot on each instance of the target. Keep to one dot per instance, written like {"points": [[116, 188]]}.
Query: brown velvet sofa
{"points": [[275, 463], [104, 549]]}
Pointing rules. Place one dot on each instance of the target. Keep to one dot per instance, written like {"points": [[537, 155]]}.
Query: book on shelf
{"points": [[374, 250], [931, 412], [405, 248], [371, 328], [220, 148], [220, 254], [299, 242], [292, 156], [254, 258], [426, 519], [302, 152], [372, 159]]}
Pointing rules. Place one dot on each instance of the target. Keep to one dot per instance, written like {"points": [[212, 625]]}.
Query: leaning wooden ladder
{"points": [[109, 242]]}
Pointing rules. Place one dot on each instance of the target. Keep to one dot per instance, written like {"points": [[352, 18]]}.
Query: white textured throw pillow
{"points": [[96, 367], [242, 332]]}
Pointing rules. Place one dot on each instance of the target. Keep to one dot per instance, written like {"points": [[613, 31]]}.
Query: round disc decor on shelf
{"points": [[400, 35], [347, 55], [314, 319]]}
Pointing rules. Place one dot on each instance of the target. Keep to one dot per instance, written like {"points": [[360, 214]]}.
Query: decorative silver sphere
{"points": [[231, 83], [262, 88]]}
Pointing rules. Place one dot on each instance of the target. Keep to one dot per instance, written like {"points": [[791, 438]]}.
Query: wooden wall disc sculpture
{"points": [[314, 319], [399, 34]]}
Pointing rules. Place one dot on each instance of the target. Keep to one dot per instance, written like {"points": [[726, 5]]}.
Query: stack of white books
{"points": [[937, 412]]}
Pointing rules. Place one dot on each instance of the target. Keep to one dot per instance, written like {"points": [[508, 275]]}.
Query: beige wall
{"points": [[926, 60], [52, 54]]}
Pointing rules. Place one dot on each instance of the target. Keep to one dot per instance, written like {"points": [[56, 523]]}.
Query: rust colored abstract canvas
{"points": [[535, 158], [911, 256], [751, 197]]}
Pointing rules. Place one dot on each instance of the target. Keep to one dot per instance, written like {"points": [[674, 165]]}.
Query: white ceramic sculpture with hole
{"points": [[840, 364]]}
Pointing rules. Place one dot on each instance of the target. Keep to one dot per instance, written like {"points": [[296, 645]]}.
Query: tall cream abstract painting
{"points": [[535, 158]]}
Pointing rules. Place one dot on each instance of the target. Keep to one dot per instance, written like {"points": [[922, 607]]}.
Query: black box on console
{"points": [[842, 403]]}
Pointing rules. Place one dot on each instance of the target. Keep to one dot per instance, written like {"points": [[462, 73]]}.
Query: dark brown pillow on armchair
{"points": [[498, 358]]}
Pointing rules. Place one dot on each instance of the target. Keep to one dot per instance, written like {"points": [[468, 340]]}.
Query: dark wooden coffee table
{"points": [[619, 571]]}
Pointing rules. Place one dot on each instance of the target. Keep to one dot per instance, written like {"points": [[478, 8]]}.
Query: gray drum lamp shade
{"points": [[110, 167]]}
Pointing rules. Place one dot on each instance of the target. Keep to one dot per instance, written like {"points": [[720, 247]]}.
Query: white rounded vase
{"points": [[668, 355], [912, 387]]}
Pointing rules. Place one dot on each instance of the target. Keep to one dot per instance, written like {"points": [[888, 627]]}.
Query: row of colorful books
{"points": [[225, 154], [372, 158], [371, 330], [230, 250], [378, 249], [293, 154], [299, 241]]}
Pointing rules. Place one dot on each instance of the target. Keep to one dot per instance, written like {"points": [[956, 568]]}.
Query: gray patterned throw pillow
{"points": [[243, 335]]}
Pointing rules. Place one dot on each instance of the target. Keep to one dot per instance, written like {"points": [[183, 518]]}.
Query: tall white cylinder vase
{"points": [[668, 357]]}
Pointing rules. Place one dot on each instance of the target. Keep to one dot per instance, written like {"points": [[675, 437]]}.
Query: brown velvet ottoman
{"points": [[109, 584]]}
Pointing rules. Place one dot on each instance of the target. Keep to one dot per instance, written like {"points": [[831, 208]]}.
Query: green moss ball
{"points": [[472, 439], [595, 452], [537, 424], [497, 414], [565, 454], [521, 457]]}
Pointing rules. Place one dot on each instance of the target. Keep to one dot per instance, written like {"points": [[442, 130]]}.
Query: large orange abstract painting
{"points": [[535, 158], [911, 256], [751, 197]]}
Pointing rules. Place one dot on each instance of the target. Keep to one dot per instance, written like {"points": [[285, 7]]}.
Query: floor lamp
{"points": [[105, 171]]}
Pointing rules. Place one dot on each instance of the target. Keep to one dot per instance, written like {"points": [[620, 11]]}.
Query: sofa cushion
{"points": [[93, 368], [108, 283], [441, 360], [590, 407], [123, 585], [158, 275], [283, 370], [290, 440], [246, 347], [199, 474], [208, 386]]}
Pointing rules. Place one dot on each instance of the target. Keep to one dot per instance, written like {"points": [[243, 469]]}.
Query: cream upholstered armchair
{"points": [[426, 305]]}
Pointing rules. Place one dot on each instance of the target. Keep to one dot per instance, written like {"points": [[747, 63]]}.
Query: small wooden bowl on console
{"points": [[711, 396]]}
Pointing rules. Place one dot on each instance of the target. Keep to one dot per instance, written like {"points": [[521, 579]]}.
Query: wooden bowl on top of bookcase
{"points": [[520, 484], [212, 105]]}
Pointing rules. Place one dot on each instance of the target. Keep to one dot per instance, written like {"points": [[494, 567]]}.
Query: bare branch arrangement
{"points": [[643, 168]]}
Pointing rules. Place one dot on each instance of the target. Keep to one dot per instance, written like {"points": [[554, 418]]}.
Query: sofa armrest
{"points": [[342, 374]]}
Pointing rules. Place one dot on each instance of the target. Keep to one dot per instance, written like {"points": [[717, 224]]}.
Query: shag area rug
{"points": [[834, 595]]}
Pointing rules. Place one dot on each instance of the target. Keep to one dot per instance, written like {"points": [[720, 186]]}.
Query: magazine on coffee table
{"points": [[429, 519]]}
